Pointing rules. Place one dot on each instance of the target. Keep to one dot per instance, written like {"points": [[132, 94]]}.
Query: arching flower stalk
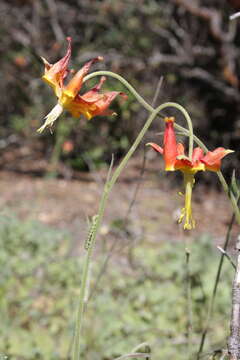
{"points": [[90, 104], [175, 159]]}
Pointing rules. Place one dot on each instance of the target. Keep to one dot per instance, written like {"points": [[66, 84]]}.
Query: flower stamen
{"points": [[186, 212]]}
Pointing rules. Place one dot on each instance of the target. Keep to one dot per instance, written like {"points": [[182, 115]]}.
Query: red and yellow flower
{"points": [[175, 159], [90, 104]]}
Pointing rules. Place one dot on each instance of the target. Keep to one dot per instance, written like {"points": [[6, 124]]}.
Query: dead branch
{"points": [[212, 16], [203, 75], [234, 339]]}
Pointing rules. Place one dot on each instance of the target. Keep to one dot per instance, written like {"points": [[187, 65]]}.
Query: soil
{"points": [[66, 204]]}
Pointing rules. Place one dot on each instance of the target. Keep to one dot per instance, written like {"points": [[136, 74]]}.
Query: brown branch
{"points": [[212, 16], [234, 338], [225, 38], [205, 76], [54, 21]]}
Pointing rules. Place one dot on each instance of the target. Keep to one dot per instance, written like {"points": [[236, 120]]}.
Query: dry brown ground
{"points": [[65, 204]]}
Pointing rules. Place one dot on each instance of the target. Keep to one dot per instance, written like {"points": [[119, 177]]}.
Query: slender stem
{"points": [[86, 266], [177, 126], [108, 187], [215, 287], [134, 355], [146, 105], [227, 256], [134, 92], [78, 328], [189, 303]]}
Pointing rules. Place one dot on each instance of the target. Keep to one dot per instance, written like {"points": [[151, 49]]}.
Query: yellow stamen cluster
{"points": [[186, 212]]}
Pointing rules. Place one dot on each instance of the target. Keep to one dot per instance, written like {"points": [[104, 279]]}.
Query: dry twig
{"points": [[234, 338]]}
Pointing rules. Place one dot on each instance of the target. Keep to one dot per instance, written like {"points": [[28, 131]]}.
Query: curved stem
{"points": [[107, 189], [189, 132], [190, 129], [140, 99], [110, 183], [146, 105]]}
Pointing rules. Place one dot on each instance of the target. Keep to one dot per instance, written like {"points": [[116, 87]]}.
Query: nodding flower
{"points": [[175, 159], [90, 104]]}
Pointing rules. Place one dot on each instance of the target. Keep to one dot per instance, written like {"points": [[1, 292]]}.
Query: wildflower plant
{"points": [[94, 103], [176, 159]]}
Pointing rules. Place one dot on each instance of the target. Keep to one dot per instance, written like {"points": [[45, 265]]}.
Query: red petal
{"points": [[180, 149], [183, 163], [170, 145], [93, 94], [93, 108], [105, 100], [156, 147], [197, 154], [58, 71], [212, 159], [75, 83]]}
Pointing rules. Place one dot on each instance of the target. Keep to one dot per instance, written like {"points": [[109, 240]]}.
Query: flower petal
{"points": [[155, 147], [105, 101], [169, 144], [93, 94], [197, 154], [180, 149], [54, 74], [75, 84], [92, 108], [212, 159]]}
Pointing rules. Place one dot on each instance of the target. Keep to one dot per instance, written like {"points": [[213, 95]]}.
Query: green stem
{"points": [[146, 105], [108, 187], [178, 127], [91, 242], [80, 312], [189, 304]]}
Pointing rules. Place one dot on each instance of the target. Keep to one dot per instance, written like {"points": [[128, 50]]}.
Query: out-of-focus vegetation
{"points": [[142, 297], [194, 46]]}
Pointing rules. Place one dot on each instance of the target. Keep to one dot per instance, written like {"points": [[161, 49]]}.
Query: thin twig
{"points": [[159, 85], [234, 338], [135, 352], [115, 242], [54, 21], [227, 256], [142, 345], [139, 182], [133, 355]]}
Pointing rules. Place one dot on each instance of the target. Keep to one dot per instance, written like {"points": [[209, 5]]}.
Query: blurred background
{"points": [[193, 46], [51, 182]]}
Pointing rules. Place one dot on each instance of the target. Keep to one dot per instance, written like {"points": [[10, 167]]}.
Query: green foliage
{"points": [[35, 274], [141, 300]]}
